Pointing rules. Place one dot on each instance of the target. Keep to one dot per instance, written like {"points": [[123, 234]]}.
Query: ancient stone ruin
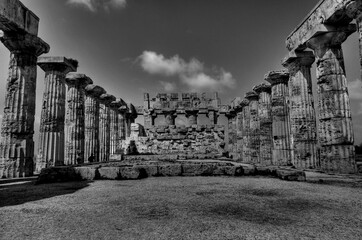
{"points": [[275, 124]]}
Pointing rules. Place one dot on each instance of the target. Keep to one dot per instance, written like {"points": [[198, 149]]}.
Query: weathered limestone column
{"points": [[114, 126], [239, 131], [302, 113], [266, 123], [51, 135], [212, 115], [254, 126], [122, 120], [104, 126], [16, 144], [354, 10], [282, 153], [191, 116], [74, 121], [170, 116], [91, 145], [246, 156], [335, 122], [231, 116]]}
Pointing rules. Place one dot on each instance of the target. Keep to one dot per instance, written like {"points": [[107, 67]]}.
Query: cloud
{"points": [[95, 5], [355, 89], [169, 87], [193, 74]]}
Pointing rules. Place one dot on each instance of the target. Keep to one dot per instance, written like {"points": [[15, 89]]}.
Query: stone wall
{"points": [[195, 139]]}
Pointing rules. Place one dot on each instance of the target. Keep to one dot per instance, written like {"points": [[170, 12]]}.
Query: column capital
{"points": [[106, 98], [78, 79], [321, 42], [116, 104], [354, 9], [25, 43], [61, 64], [94, 90], [252, 96], [277, 77], [244, 103], [303, 58], [263, 87]]}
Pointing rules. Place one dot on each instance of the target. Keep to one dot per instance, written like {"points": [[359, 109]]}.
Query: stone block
{"points": [[291, 175], [170, 170], [58, 174], [129, 173], [110, 173], [197, 169], [86, 173], [151, 170]]}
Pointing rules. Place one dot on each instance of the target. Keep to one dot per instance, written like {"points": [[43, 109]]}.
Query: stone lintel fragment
{"points": [[15, 17], [276, 77], [116, 104], [326, 16], [62, 64], [78, 79], [94, 90], [244, 103], [263, 87], [25, 43]]}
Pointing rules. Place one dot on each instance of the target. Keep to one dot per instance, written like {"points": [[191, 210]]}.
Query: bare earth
{"points": [[182, 208]]}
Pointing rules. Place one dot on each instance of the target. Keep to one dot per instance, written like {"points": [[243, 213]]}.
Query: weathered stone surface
{"points": [[246, 157], [91, 125], [58, 174], [109, 173], [197, 169], [291, 175], [266, 123], [104, 126], [16, 144], [51, 137], [254, 126], [74, 122], [335, 123], [302, 112], [170, 170], [132, 173], [282, 154], [87, 173]]}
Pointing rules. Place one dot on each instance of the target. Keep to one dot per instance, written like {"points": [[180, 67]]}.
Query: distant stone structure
{"points": [[275, 124]]}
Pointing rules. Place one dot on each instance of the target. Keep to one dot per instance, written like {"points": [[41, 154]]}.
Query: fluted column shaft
{"points": [[335, 122], [282, 153], [51, 134], [302, 112], [266, 123], [212, 115], [104, 132], [16, 144], [114, 131], [74, 122], [239, 133], [191, 117], [246, 155], [254, 132], [91, 148]]}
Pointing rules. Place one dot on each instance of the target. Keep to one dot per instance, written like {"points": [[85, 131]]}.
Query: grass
{"points": [[182, 208]]}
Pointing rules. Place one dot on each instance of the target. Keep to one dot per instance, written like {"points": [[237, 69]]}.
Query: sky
{"points": [[134, 46]]}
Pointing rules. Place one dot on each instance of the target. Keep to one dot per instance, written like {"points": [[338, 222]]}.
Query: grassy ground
{"points": [[182, 208]]}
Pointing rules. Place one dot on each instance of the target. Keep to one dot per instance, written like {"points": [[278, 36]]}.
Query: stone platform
{"points": [[138, 169]]}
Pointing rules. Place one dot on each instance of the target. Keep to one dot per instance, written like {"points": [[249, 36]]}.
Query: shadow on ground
{"points": [[15, 194]]}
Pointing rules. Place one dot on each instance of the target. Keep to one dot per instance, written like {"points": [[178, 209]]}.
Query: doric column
{"points": [[51, 135], [74, 121], [104, 126], [266, 123], [91, 145], [149, 118], [354, 10], [122, 121], [282, 154], [253, 98], [212, 115], [191, 115], [170, 116], [16, 144], [335, 122], [246, 157], [302, 113], [114, 126]]}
